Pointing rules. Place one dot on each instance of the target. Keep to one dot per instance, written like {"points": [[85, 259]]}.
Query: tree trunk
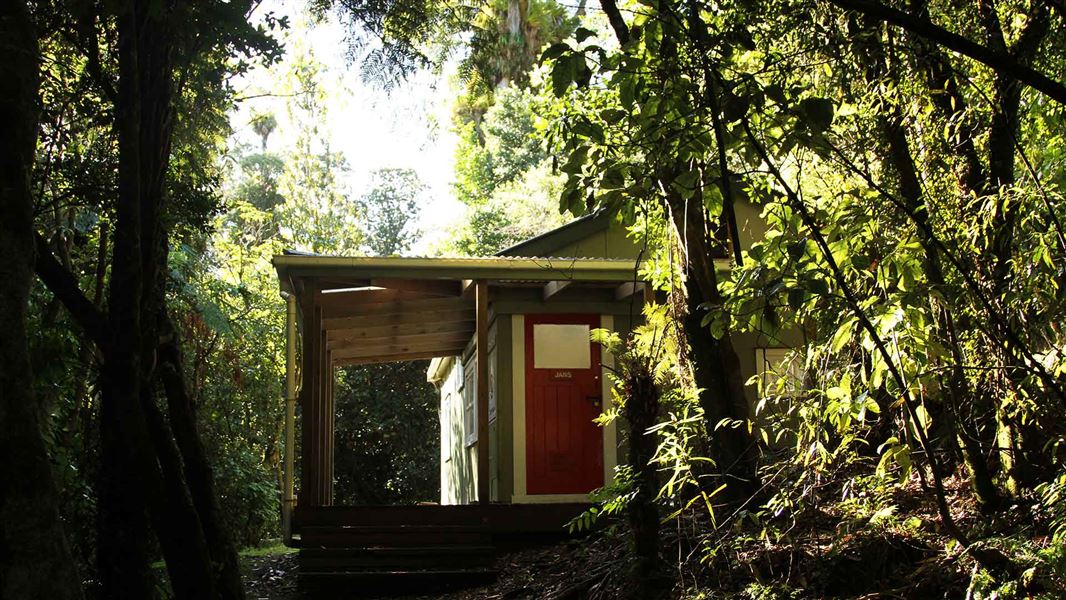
{"points": [[140, 468], [182, 418], [640, 412], [143, 485], [35, 561], [899, 167], [715, 360]]}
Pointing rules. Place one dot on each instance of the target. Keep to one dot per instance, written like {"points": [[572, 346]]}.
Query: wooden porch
{"points": [[348, 311], [436, 545]]}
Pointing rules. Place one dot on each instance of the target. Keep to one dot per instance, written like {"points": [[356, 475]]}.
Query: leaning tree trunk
{"points": [[35, 561], [900, 169], [715, 360], [130, 415], [198, 473], [640, 412]]}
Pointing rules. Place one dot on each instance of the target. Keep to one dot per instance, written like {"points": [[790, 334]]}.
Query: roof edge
{"points": [[550, 241]]}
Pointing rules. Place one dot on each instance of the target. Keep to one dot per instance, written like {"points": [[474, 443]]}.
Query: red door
{"points": [[564, 448]]}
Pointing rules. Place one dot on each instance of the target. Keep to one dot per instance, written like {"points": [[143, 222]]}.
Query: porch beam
{"points": [[383, 358], [482, 352], [308, 399], [338, 308], [393, 319], [379, 332], [554, 287], [339, 283], [467, 287], [288, 498], [628, 289], [325, 439], [346, 298], [421, 286], [385, 355], [356, 348], [331, 414]]}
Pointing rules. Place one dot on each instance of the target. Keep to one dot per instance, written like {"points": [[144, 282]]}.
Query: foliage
{"points": [[391, 208], [230, 314], [506, 40], [320, 215], [919, 258], [503, 176], [387, 435]]}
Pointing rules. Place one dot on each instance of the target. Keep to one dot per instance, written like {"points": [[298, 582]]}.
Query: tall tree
{"points": [[391, 207], [154, 481], [35, 561], [913, 247]]}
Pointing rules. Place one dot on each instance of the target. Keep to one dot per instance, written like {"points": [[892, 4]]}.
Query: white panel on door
{"points": [[561, 347]]}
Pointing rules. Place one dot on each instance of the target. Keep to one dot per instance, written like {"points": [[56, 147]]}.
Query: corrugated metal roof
{"points": [[507, 268], [550, 241]]}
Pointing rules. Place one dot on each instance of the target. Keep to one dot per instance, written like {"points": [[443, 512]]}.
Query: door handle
{"points": [[594, 400]]}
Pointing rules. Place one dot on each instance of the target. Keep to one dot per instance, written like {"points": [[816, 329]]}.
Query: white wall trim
{"points": [[549, 498], [518, 404], [610, 432]]}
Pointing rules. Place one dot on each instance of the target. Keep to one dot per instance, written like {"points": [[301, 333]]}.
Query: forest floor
{"points": [[890, 547]]}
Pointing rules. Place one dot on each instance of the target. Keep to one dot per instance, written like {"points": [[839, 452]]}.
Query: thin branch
{"points": [[618, 24], [64, 286], [998, 61], [855, 307]]}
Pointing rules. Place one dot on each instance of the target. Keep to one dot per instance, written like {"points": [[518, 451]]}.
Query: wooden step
{"points": [[358, 584], [414, 558], [368, 536], [467, 515]]}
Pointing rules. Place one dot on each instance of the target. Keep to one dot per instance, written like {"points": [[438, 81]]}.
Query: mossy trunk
{"points": [[35, 561], [641, 409]]}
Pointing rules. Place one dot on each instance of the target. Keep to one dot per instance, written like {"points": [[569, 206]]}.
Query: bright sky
{"points": [[406, 127]]}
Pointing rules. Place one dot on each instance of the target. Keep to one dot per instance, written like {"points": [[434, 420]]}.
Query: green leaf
{"points": [[775, 93], [843, 334], [627, 92], [687, 180], [817, 113], [582, 72], [563, 74], [589, 129], [818, 287], [613, 178], [582, 34], [571, 200], [554, 51], [735, 107]]}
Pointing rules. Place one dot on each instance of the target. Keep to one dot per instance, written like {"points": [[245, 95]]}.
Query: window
{"points": [[780, 371], [469, 391], [492, 385]]}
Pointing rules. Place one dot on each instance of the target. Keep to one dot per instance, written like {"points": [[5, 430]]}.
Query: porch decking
{"points": [[420, 545]]}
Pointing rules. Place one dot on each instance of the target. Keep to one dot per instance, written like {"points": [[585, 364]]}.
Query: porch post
{"points": [[331, 418], [482, 353], [288, 499], [309, 393], [325, 418]]}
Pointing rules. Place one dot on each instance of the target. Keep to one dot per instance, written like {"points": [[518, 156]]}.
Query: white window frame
{"points": [[469, 397], [768, 363]]}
